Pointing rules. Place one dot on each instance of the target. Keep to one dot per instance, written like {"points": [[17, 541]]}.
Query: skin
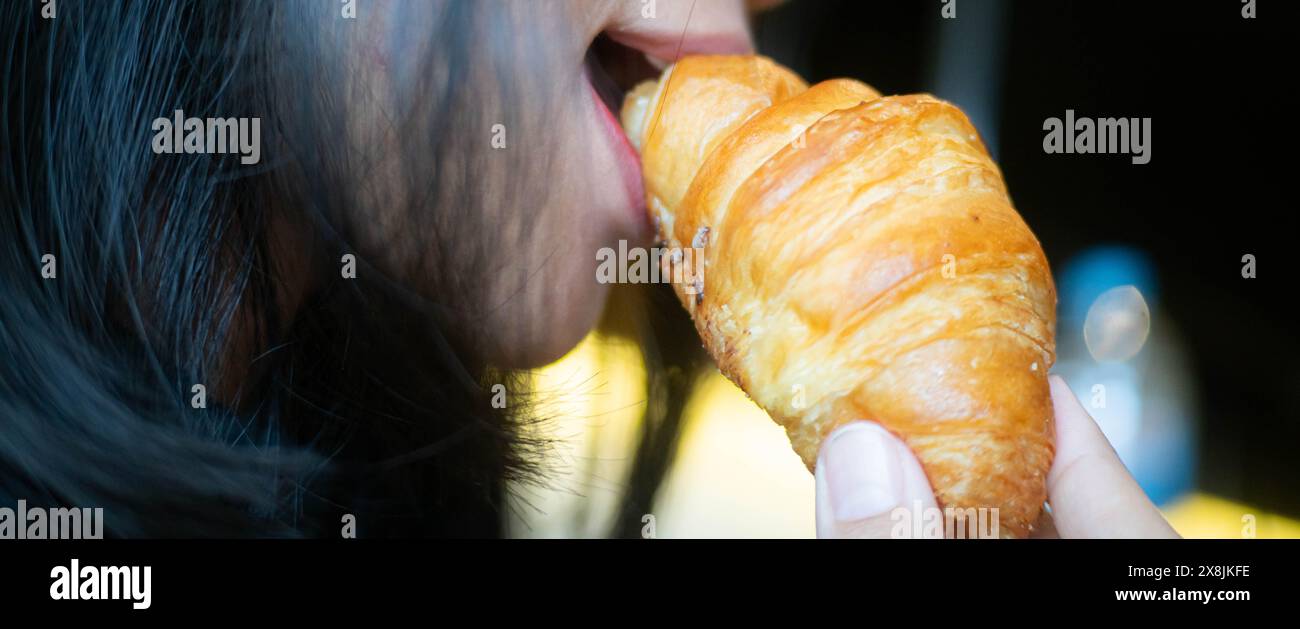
{"points": [[864, 473], [590, 202], [535, 295]]}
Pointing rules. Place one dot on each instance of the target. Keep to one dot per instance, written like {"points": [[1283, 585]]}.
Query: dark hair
{"points": [[370, 398]]}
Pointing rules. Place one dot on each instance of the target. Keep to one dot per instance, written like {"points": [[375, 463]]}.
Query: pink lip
{"points": [[629, 163], [670, 48]]}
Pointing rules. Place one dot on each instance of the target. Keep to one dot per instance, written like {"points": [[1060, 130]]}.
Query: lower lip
{"points": [[629, 162]]}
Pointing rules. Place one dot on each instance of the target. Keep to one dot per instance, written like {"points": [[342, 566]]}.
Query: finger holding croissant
{"points": [[870, 486], [862, 259]]}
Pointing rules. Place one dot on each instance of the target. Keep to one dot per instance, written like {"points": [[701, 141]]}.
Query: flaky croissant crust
{"points": [[862, 260]]}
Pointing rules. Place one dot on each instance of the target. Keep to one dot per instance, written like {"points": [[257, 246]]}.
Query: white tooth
{"points": [[659, 64]]}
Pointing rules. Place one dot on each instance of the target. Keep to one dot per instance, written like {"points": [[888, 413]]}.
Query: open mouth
{"points": [[618, 60], [614, 69]]}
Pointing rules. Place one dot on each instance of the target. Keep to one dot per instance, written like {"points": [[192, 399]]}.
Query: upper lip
{"points": [[619, 57], [662, 48], [664, 41]]}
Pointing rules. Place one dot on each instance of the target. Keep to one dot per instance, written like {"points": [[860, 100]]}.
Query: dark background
{"points": [[1217, 88]]}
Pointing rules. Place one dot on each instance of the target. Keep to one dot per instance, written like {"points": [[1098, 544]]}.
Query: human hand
{"points": [[864, 473]]}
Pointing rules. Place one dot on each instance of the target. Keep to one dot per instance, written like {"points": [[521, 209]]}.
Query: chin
{"points": [[533, 337]]}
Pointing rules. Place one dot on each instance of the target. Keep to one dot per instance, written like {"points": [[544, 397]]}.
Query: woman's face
{"points": [[554, 178]]}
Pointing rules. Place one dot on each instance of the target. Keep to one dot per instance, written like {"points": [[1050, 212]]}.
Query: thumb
{"points": [[863, 474]]}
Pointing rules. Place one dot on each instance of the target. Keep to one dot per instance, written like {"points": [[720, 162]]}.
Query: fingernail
{"points": [[863, 472]]}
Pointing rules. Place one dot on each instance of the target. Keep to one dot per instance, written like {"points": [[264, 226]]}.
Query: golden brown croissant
{"points": [[862, 260]]}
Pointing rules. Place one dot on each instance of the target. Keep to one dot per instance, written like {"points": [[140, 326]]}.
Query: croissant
{"points": [[861, 260]]}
